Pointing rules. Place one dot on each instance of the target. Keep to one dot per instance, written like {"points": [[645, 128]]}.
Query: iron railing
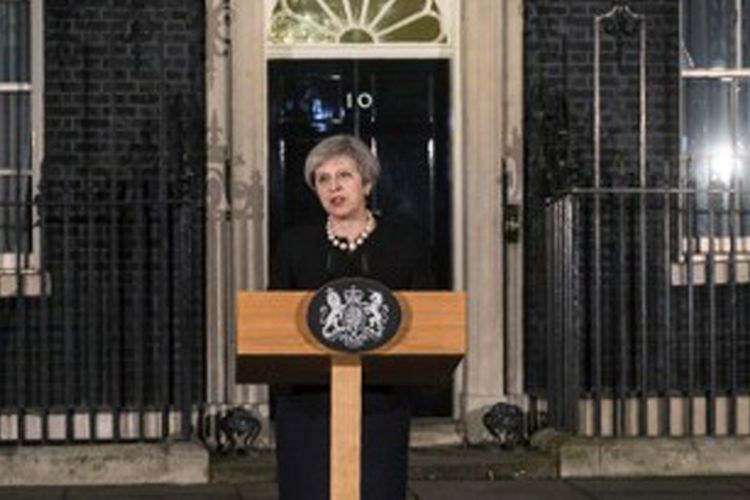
{"points": [[648, 324], [102, 330]]}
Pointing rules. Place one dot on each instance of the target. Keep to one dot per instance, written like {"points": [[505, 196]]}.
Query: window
{"points": [[21, 87], [715, 127], [357, 22]]}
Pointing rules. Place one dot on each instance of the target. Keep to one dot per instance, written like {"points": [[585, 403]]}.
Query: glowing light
{"points": [[723, 163]]}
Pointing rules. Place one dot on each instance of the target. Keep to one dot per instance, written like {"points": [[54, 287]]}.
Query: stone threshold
{"points": [[654, 457], [443, 463], [551, 457], [92, 464]]}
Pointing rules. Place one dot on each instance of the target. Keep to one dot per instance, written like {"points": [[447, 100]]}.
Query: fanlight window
{"points": [[356, 21]]}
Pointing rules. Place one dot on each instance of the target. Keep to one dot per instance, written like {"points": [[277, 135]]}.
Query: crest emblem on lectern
{"points": [[353, 314]]}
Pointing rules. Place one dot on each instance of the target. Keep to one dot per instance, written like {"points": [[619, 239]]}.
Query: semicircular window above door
{"points": [[357, 21]]}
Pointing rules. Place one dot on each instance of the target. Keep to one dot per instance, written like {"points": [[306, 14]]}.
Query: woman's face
{"points": [[340, 189]]}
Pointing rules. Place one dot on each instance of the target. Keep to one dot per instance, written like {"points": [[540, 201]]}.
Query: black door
{"points": [[401, 108]]}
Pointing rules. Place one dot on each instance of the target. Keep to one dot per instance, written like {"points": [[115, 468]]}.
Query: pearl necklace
{"points": [[342, 243]]}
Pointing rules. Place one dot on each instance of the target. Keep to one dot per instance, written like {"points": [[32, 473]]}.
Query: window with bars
{"points": [[715, 125], [21, 70]]}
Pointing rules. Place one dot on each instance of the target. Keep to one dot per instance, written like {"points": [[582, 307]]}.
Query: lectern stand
{"points": [[274, 346]]}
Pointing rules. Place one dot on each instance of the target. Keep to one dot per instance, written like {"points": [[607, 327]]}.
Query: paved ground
{"points": [[620, 489], [436, 474]]}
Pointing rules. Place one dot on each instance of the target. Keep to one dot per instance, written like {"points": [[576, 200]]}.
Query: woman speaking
{"points": [[351, 242]]}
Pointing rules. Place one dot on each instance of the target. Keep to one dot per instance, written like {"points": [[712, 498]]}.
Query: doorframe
{"points": [[249, 122], [450, 51], [486, 47]]}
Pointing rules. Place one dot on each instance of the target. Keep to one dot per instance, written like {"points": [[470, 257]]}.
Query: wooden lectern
{"points": [[274, 345]]}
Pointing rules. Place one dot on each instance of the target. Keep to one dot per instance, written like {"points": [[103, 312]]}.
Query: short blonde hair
{"points": [[343, 145]]}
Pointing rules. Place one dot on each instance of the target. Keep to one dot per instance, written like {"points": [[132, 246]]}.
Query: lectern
{"points": [[274, 345]]}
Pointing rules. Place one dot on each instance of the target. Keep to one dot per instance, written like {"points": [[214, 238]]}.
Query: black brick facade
{"points": [[121, 211], [559, 123]]}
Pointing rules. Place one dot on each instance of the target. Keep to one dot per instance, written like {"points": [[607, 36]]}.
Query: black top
{"points": [[395, 254]]}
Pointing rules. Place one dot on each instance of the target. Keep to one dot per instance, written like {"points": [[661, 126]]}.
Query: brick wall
{"points": [[559, 89], [121, 210]]}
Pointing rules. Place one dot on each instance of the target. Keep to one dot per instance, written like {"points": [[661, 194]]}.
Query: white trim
{"points": [[701, 260], [30, 262], [37, 119], [722, 273], [722, 247], [677, 408], [715, 73], [359, 51], [7, 170], [12, 87], [457, 143], [27, 281], [130, 425], [458, 199]]}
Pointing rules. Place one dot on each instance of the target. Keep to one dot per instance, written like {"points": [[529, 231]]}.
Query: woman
{"points": [[342, 172]]}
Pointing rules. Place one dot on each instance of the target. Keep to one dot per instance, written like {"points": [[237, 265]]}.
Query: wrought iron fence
{"points": [[102, 324], [649, 325]]}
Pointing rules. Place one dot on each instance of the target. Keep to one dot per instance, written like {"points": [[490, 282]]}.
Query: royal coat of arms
{"points": [[354, 314]]}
